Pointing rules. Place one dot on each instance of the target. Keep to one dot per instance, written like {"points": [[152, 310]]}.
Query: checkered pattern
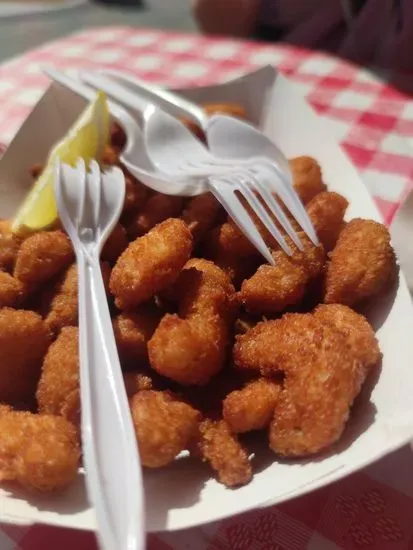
{"points": [[373, 120]]}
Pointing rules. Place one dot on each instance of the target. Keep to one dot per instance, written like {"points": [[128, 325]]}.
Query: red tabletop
{"points": [[373, 120]]}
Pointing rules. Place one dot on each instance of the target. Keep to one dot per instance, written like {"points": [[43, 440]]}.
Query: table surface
{"points": [[373, 120], [20, 34]]}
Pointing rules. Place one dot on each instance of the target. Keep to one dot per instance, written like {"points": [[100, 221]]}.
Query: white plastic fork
{"points": [[89, 205]]}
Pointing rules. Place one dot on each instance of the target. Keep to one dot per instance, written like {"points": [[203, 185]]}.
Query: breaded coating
{"points": [[150, 263], [222, 450], [61, 306], [201, 213], [322, 377], [110, 155], [358, 332], [228, 239], [9, 245], [362, 264], [157, 209], [12, 291], [192, 347], [24, 341], [58, 388], [326, 211], [136, 382], [164, 426], [42, 256], [40, 452], [116, 244], [273, 288], [136, 194], [252, 407], [307, 177], [133, 330]]}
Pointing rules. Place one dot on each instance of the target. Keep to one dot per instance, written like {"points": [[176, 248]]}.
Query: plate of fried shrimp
{"points": [[248, 383]]}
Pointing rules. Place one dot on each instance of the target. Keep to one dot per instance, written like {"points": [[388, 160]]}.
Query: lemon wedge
{"points": [[87, 139]]}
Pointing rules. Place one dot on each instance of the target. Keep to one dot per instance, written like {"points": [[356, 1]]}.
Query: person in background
{"points": [[366, 31]]}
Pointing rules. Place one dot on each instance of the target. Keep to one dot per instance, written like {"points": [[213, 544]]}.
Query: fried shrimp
{"points": [[58, 388], [200, 214], [164, 426], [362, 264], [221, 449], [41, 452], [326, 211], [9, 246], [157, 209], [12, 291], [23, 343], [42, 256], [252, 407], [151, 263], [307, 178], [191, 347]]}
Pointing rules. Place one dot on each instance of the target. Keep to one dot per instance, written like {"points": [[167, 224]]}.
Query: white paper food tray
{"points": [[184, 495]]}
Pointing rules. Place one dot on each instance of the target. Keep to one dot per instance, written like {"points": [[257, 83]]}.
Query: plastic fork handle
{"points": [[113, 470], [161, 96]]}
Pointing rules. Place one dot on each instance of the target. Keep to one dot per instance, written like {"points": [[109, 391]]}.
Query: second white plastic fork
{"points": [[89, 206]]}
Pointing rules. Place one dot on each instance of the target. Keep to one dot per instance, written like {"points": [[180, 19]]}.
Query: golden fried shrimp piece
{"points": [[322, 377], [61, 307], [116, 244], [42, 256], [164, 426], [110, 155], [23, 343], [136, 194], [362, 264], [307, 177], [358, 332], [200, 214], [136, 382], [40, 452], [272, 288], [192, 347], [9, 246], [133, 330], [151, 263], [58, 388], [222, 450], [228, 240], [158, 208], [12, 291], [252, 407], [326, 210]]}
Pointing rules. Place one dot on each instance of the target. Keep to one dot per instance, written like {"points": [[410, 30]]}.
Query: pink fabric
{"points": [[372, 509]]}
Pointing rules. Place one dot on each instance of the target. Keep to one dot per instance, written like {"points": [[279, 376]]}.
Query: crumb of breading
{"points": [[116, 244], [307, 177], [58, 388], [164, 426], [40, 452], [191, 347], [326, 211], [252, 407], [136, 382], [362, 264], [42, 256], [12, 291], [157, 209], [23, 343], [150, 263], [133, 331], [222, 450]]}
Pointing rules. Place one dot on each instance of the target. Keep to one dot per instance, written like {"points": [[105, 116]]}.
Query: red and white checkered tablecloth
{"points": [[372, 509]]}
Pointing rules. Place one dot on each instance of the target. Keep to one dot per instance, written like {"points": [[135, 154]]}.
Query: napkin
{"points": [[401, 231]]}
